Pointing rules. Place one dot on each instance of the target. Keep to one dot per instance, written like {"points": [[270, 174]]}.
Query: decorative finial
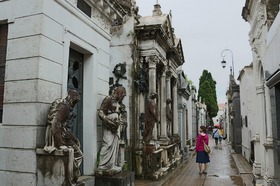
{"points": [[157, 1]]}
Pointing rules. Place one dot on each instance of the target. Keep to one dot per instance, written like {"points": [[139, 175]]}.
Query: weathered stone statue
{"points": [[169, 117], [58, 135], [151, 117], [109, 113], [123, 126]]}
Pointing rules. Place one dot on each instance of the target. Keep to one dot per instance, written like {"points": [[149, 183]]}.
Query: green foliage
{"points": [[207, 92], [189, 82]]}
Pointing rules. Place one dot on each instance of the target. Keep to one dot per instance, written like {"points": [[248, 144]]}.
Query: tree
{"points": [[207, 92]]}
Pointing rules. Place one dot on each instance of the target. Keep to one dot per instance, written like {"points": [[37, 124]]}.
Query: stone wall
{"points": [[40, 34]]}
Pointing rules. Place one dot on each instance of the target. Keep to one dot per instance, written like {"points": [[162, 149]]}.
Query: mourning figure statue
{"points": [[110, 114], [58, 134], [169, 116], [151, 117]]}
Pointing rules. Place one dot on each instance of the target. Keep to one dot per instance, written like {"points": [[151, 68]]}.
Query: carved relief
{"points": [[105, 23], [153, 60]]}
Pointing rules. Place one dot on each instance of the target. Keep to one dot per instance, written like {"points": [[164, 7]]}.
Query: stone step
{"points": [[87, 180]]}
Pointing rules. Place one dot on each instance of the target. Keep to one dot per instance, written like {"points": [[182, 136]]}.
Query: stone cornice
{"points": [[175, 55], [109, 7], [157, 33], [184, 92], [154, 32], [73, 9], [106, 11]]}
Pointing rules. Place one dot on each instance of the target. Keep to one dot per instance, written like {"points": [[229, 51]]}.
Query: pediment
{"points": [[158, 24]]}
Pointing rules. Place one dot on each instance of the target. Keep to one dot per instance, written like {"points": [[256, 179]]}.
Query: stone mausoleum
{"points": [[91, 46]]}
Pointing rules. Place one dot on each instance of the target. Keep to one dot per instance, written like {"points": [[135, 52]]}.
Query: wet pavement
{"points": [[225, 168]]}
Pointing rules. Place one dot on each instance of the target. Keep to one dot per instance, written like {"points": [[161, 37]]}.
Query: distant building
{"points": [[234, 124], [219, 117]]}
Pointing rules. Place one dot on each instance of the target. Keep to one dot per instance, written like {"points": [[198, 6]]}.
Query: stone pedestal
{"points": [[269, 175], [151, 159], [121, 157], [167, 154], [125, 178], [55, 168], [257, 163], [139, 167], [185, 152]]}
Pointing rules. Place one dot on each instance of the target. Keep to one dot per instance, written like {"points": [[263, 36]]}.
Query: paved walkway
{"points": [[225, 168]]}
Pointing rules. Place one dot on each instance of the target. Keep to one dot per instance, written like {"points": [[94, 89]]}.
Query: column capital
{"points": [[164, 71], [168, 73], [174, 81], [153, 61]]}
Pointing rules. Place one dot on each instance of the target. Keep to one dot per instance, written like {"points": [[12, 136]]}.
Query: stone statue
{"points": [[58, 135], [151, 117], [169, 117], [109, 113], [123, 126]]}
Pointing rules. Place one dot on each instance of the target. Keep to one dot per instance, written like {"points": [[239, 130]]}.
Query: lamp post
{"points": [[224, 62]]}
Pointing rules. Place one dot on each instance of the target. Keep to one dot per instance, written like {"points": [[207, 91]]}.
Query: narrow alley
{"points": [[225, 168]]}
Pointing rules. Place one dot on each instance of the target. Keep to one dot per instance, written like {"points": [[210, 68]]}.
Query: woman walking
{"points": [[221, 136], [201, 156]]}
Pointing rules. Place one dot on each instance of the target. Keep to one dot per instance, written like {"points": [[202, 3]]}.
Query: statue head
{"points": [[73, 97], [168, 101], [119, 93], [153, 96]]}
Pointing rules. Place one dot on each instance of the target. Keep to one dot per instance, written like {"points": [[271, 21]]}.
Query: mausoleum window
{"points": [[3, 52], [84, 7]]}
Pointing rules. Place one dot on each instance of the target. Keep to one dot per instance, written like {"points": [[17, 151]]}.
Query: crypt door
{"points": [[75, 81]]}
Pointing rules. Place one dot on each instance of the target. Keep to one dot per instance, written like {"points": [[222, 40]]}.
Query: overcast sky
{"points": [[206, 28]]}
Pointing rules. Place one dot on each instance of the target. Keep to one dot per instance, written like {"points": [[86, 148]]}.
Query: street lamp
{"points": [[223, 63]]}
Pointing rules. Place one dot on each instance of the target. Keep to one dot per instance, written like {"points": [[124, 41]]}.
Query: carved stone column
{"points": [[140, 130], [163, 132], [175, 112], [152, 74], [268, 115], [269, 159], [168, 85], [261, 125], [269, 154], [257, 162]]}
